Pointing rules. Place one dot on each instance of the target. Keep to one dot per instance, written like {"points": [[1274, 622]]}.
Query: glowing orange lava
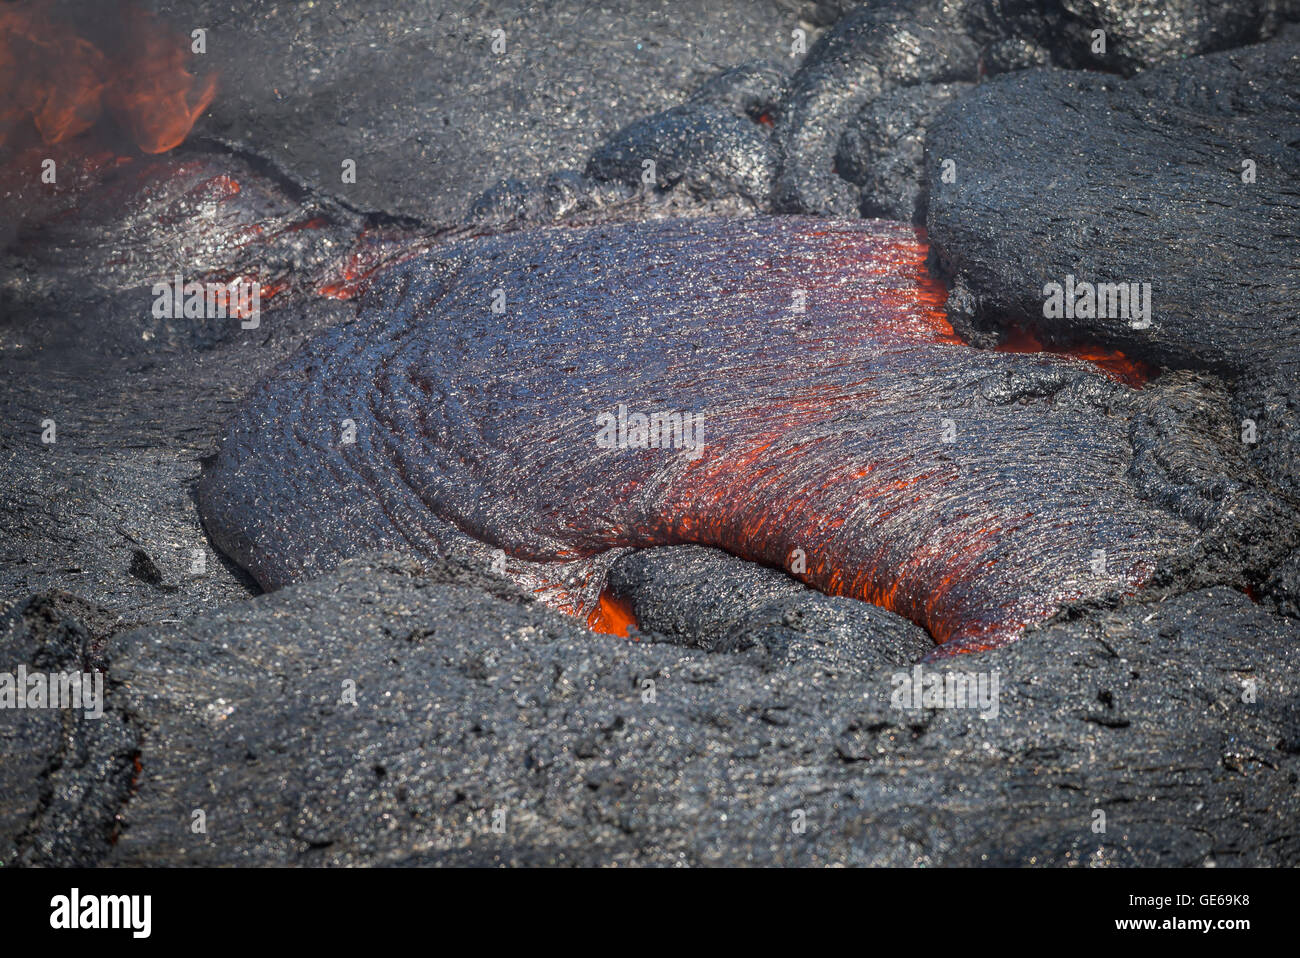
{"points": [[612, 615], [375, 249], [827, 425], [1131, 372]]}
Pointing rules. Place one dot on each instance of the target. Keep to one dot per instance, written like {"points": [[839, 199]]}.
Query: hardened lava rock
{"points": [[1182, 183], [873, 49], [883, 149], [484, 400], [883, 46], [64, 773], [706, 599], [1186, 178], [716, 144], [432, 107], [709, 151], [83, 259], [385, 714], [558, 197]]}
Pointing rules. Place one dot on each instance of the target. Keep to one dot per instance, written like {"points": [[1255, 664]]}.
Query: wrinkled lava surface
{"points": [[847, 434]]}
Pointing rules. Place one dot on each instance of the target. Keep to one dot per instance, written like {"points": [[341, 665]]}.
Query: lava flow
{"points": [[612, 615], [786, 389], [60, 83]]}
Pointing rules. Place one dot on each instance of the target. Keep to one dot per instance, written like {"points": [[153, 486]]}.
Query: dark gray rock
{"points": [[882, 150], [1142, 35], [1283, 585], [1171, 719], [1143, 184], [706, 599], [750, 90], [566, 195], [415, 94], [714, 146], [873, 49], [883, 46], [1267, 404], [107, 510], [64, 776], [710, 152], [1132, 182]]}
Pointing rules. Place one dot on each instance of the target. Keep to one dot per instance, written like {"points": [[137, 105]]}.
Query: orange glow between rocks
{"points": [[612, 615], [743, 499], [1112, 362]]}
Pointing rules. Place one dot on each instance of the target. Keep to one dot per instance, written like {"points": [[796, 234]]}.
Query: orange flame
{"points": [[63, 82]]}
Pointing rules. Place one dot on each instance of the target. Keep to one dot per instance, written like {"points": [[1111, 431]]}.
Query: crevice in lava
{"points": [[1005, 334], [296, 188], [612, 615]]}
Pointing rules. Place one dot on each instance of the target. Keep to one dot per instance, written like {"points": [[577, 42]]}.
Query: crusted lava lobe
{"points": [[1185, 177], [972, 492], [890, 45]]}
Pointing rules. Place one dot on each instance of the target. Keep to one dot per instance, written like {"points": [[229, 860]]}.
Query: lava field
{"points": [[560, 435]]}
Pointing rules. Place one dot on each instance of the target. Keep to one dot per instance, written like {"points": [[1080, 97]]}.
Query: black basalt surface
{"points": [[431, 112], [1142, 737], [708, 151], [874, 48], [880, 47], [1173, 711], [882, 149], [716, 144], [64, 775], [706, 599], [1135, 181], [1185, 177]]}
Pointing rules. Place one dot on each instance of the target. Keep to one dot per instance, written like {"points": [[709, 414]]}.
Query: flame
{"points": [[63, 82]]}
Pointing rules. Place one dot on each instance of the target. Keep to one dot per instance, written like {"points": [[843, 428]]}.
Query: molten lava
{"points": [[971, 491], [62, 82], [374, 249], [1131, 372], [612, 615]]}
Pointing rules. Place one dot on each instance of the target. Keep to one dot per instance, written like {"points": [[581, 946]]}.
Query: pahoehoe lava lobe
{"points": [[973, 492], [1185, 177]]}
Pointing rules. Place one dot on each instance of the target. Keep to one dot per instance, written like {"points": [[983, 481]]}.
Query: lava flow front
{"points": [[786, 389]]}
